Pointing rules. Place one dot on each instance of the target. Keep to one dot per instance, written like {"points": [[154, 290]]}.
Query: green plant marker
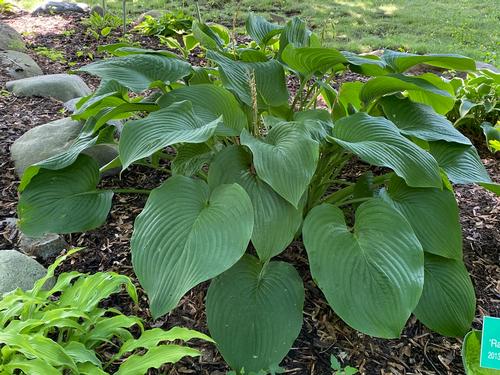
{"points": [[490, 343]]}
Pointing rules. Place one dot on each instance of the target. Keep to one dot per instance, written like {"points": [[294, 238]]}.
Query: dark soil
{"points": [[418, 351]]}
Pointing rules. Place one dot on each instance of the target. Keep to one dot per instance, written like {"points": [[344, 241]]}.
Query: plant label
{"points": [[490, 343]]}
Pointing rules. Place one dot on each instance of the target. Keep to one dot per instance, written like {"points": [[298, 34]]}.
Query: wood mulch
{"points": [[418, 351]]}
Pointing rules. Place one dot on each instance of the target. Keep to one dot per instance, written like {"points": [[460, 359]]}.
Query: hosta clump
{"points": [[65, 329], [252, 162]]}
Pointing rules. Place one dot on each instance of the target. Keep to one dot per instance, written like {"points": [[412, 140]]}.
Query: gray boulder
{"points": [[151, 13], [10, 39], [53, 138], [62, 87], [58, 7], [97, 10], [18, 271], [482, 65], [18, 65], [43, 248]]}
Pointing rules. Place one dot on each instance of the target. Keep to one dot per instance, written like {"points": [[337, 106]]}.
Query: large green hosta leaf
{"points": [[460, 162], [448, 302], [377, 141], [400, 61], [138, 72], [64, 200], [186, 235], [372, 275], [394, 83], [276, 220], [442, 104], [254, 313], [260, 29], [174, 124], [308, 61], [433, 215], [421, 121], [286, 159], [269, 79], [209, 103]]}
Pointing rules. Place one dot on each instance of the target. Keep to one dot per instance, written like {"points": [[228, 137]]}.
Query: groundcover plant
{"points": [[253, 168]]}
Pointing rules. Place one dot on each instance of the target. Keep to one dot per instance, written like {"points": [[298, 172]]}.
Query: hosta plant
{"points": [[252, 167], [64, 329], [477, 107]]}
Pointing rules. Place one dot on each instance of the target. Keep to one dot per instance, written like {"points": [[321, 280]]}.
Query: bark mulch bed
{"points": [[418, 351]]}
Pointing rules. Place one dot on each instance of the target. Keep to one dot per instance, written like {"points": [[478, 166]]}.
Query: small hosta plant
{"points": [[65, 330], [477, 107], [253, 166]]}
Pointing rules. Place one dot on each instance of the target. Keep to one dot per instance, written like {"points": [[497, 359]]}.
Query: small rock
{"points": [[19, 271], [482, 65], [44, 247], [53, 138], [10, 39], [70, 105], [98, 10], [18, 65], [151, 13], [58, 7], [59, 86]]}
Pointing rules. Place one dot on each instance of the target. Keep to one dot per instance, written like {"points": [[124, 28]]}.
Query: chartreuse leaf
{"points": [[400, 61], [276, 220], [439, 233], [35, 366], [221, 103], [154, 358], [68, 196], [38, 346], [174, 124], [186, 235], [421, 121], [254, 313], [81, 354], [491, 133], [286, 159], [152, 337], [308, 60], [372, 275], [138, 72], [269, 80], [394, 83], [378, 142], [448, 302], [108, 327], [260, 29], [460, 162], [471, 353]]}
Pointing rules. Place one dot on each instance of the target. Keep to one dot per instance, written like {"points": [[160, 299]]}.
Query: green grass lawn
{"points": [[467, 27]]}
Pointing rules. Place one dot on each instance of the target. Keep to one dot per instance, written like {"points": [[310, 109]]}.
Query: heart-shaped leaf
{"points": [[448, 302], [421, 121], [67, 196], [138, 72], [221, 103], [276, 220], [400, 61], [168, 126], [372, 275], [286, 159], [378, 142], [254, 313], [269, 77], [186, 235], [394, 83], [260, 29], [308, 61], [433, 215], [460, 162]]}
